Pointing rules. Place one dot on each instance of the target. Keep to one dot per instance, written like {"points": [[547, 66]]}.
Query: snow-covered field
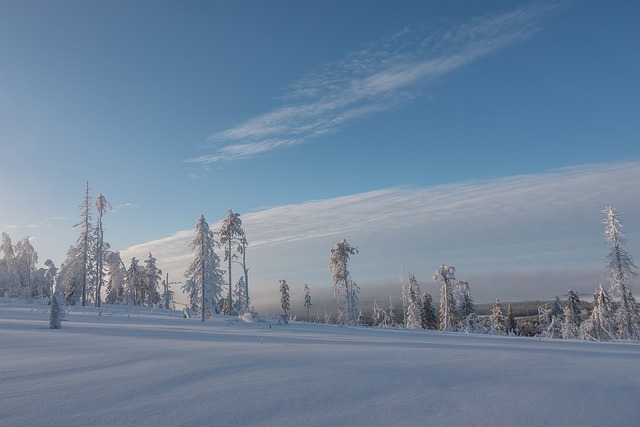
{"points": [[133, 368]]}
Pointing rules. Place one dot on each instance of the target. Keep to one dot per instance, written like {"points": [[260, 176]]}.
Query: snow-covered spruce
{"points": [[620, 270], [285, 300], [204, 277]]}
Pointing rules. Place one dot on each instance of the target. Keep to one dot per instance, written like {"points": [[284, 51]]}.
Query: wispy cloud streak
{"points": [[46, 222], [385, 75]]}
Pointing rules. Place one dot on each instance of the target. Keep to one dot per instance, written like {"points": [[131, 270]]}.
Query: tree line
{"points": [[92, 273], [205, 278], [613, 315], [90, 270], [90, 265]]}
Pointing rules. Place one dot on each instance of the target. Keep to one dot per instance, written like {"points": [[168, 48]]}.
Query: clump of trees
{"points": [[91, 265], [611, 320], [615, 314], [93, 273], [19, 275], [205, 278], [234, 241], [457, 312]]}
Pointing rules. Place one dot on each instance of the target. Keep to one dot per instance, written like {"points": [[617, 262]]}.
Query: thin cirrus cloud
{"points": [[520, 237], [386, 75], [46, 222]]}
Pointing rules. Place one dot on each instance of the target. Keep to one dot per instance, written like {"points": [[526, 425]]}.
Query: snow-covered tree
{"points": [[379, 316], [352, 311], [571, 316], [239, 290], [41, 281], [9, 279], [634, 312], [204, 277], [599, 326], [568, 329], [57, 310], [50, 275], [223, 306], [231, 232], [242, 250], [86, 243], [391, 315], [464, 313], [551, 319], [101, 206], [344, 289], [167, 295], [429, 316], [285, 300], [10, 284], [7, 248], [620, 270], [444, 277], [116, 278], [135, 278], [307, 301], [327, 318], [512, 326], [26, 259], [413, 311], [151, 283], [403, 288], [76, 272], [499, 325], [71, 276], [574, 305]]}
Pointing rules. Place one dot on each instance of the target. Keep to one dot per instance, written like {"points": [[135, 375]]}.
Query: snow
{"points": [[136, 367]]}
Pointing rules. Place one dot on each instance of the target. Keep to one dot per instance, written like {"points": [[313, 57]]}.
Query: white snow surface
{"points": [[137, 367]]}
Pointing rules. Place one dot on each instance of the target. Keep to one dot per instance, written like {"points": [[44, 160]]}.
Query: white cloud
{"points": [[383, 76], [46, 222], [542, 228], [123, 206]]}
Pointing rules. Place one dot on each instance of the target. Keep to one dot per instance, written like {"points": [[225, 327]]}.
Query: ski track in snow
{"points": [[133, 367]]}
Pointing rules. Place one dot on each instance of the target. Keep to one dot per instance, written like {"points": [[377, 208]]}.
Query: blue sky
{"points": [[176, 109]]}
